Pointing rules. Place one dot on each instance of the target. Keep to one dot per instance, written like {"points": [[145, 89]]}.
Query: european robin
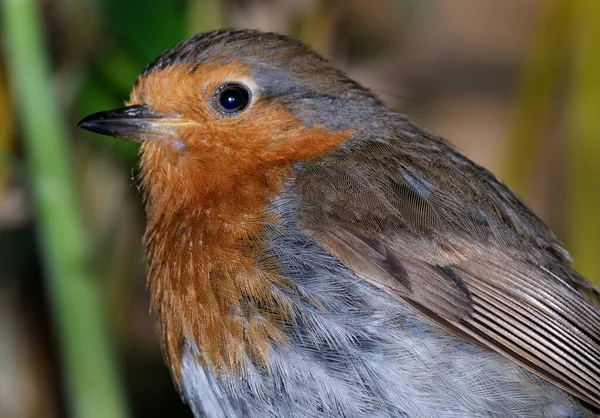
{"points": [[311, 252]]}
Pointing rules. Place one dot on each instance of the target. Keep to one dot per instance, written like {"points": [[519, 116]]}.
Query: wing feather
{"points": [[466, 254]]}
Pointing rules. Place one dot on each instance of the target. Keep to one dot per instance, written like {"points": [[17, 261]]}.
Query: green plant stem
{"points": [[583, 203], [90, 374]]}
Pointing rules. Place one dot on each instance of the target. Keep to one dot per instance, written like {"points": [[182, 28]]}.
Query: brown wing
{"points": [[461, 249]]}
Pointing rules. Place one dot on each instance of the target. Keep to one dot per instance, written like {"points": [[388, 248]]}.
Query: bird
{"points": [[312, 252]]}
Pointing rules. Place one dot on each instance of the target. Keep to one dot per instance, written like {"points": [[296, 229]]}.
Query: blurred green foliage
{"points": [[566, 37], [90, 373]]}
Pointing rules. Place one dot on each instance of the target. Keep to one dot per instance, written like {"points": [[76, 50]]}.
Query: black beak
{"points": [[135, 123]]}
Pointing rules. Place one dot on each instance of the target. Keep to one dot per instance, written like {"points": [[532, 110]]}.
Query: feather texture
{"points": [[353, 350], [466, 253]]}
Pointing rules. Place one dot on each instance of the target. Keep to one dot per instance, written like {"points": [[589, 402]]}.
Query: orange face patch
{"points": [[207, 185], [265, 132]]}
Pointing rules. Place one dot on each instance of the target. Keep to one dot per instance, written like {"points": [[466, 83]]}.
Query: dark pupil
{"points": [[233, 98]]}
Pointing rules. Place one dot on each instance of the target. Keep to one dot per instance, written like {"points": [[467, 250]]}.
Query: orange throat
{"points": [[208, 272]]}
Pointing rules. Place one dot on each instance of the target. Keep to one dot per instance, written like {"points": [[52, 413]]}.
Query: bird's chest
{"points": [[351, 350]]}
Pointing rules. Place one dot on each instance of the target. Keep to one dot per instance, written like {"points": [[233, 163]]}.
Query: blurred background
{"points": [[515, 84]]}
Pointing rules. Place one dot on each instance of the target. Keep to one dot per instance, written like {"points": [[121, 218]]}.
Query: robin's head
{"points": [[256, 97], [222, 119]]}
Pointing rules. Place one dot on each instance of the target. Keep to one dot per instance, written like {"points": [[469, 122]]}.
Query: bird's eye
{"points": [[232, 98]]}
